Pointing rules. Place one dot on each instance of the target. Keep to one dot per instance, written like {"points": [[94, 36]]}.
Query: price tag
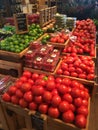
{"points": [[21, 23]]}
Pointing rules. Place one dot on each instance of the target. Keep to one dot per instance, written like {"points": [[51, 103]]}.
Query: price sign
{"points": [[21, 23]]}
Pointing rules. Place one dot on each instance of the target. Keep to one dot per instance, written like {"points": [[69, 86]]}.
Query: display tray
{"points": [[59, 45], [84, 54], [12, 54], [57, 124], [84, 81]]}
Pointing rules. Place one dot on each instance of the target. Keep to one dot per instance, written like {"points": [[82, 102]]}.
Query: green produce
{"points": [[45, 39], [19, 42]]}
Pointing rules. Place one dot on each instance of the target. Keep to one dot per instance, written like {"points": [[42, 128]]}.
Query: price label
{"points": [[21, 23]]}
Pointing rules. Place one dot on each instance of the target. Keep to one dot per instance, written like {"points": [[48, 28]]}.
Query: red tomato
{"points": [[83, 76], [75, 84], [62, 89], [43, 108], [14, 99], [59, 71], [41, 82], [38, 90], [30, 81], [90, 76], [64, 66], [18, 84], [23, 79], [72, 107], [12, 90], [85, 102], [78, 102], [28, 96], [51, 77], [54, 92], [38, 99], [61, 40], [74, 74], [27, 74], [19, 93], [58, 80], [6, 97], [53, 112], [75, 92], [53, 39], [68, 116], [26, 87], [32, 106], [67, 73], [79, 70], [82, 94], [67, 97], [64, 106], [56, 99], [23, 103], [83, 110], [50, 85], [80, 121], [35, 76], [71, 69], [47, 96], [66, 81]]}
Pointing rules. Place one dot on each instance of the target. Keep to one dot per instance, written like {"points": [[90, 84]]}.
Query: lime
{"points": [[17, 50], [12, 49]]}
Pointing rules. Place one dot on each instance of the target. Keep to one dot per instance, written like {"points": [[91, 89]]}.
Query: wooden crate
{"points": [[23, 119], [56, 124], [10, 68]]}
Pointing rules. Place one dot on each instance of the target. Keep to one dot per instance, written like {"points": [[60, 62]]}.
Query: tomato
{"points": [[55, 92], [53, 39], [58, 80], [47, 96], [64, 106], [26, 87], [14, 99], [50, 85], [86, 95], [38, 90], [83, 76], [53, 112], [79, 70], [68, 116], [74, 74], [35, 76], [62, 89], [67, 97], [78, 102], [71, 69], [32, 106], [59, 71], [43, 108], [6, 97], [56, 99], [72, 107], [66, 81], [82, 94], [75, 92], [12, 90], [41, 82], [85, 102], [67, 73], [80, 121], [19, 93], [61, 40], [23, 79], [75, 84], [30, 81], [90, 76], [83, 110], [28, 96], [51, 77], [18, 84], [23, 103], [27, 74], [38, 99]]}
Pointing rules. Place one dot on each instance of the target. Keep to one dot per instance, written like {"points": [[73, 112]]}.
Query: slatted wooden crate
{"points": [[10, 68], [22, 119], [56, 124]]}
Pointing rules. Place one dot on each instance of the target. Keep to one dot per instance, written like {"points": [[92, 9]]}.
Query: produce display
{"points": [[57, 97], [43, 57], [77, 66], [83, 39], [17, 43]]}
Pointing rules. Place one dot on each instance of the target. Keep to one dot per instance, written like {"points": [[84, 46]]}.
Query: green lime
{"points": [[12, 49], [17, 50]]}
